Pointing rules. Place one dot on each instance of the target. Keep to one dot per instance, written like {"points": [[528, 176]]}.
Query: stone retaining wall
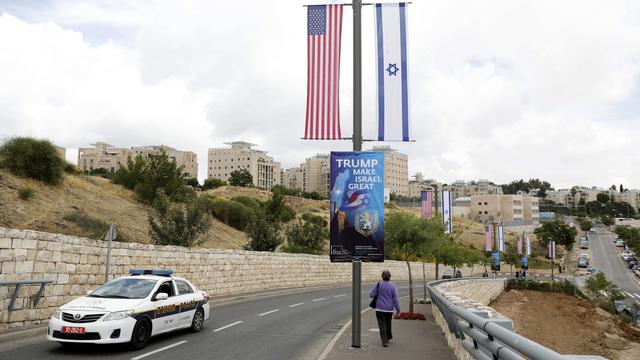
{"points": [[76, 265]]}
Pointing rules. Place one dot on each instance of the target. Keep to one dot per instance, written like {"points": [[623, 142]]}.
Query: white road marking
{"points": [[341, 295], [320, 299], [269, 312], [298, 304], [228, 326], [629, 295], [158, 350], [636, 295]]}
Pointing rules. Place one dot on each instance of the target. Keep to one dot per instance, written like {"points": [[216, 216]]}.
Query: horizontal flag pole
{"points": [[350, 138], [349, 4]]}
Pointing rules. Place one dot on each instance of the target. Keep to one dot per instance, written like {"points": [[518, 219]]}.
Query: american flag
{"points": [[488, 240], [324, 29], [519, 245], [426, 198]]}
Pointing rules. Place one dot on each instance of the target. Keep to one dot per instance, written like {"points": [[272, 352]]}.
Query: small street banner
{"points": [[552, 249], [426, 201], [324, 35], [356, 206], [488, 239], [501, 239], [524, 262], [447, 208], [392, 72], [495, 263], [528, 247]]}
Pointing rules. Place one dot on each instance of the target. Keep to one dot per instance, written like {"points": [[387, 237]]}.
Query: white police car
{"points": [[131, 309]]}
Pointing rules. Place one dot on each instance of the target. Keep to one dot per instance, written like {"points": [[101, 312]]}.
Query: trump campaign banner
{"points": [[447, 208], [495, 261], [356, 206], [392, 72], [426, 204]]}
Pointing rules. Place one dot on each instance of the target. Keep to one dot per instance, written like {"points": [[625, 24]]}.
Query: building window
{"points": [[486, 212]]}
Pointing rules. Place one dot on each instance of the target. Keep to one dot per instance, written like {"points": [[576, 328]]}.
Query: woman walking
{"points": [[386, 301]]}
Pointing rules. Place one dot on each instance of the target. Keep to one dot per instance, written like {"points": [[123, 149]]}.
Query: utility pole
{"points": [[357, 146]]}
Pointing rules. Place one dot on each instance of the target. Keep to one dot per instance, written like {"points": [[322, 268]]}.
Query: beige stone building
{"points": [[419, 184], [396, 170], [509, 209], [631, 197], [575, 197], [111, 158], [222, 162], [311, 176]]}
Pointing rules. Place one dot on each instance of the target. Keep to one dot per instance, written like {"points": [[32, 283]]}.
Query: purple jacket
{"points": [[387, 297]]}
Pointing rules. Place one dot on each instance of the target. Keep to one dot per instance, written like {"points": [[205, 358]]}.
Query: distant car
{"points": [[448, 274], [584, 244], [131, 310], [584, 255], [583, 263], [632, 263], [626, 255], [592, 270], [619, 243], [637, 272], [615, 236]]}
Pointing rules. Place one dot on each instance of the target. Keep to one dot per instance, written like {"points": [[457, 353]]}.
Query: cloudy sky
{"points": [[499, 89]]}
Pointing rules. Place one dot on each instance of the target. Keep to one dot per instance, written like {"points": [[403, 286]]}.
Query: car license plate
{"points": [[73, 329]]}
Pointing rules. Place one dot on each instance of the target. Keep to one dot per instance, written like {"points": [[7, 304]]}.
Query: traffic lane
{"points": [[607, 259], [292, 332], [223, 315]]}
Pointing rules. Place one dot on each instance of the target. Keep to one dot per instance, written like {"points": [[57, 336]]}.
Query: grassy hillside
{"points": [[52, 209]]}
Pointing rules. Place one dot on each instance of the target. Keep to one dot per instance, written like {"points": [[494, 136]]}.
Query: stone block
{"points": [[5, 243], [29, 244], [20, 254], [24, 267], [6, 255], [8, 267], [56, 255], [14, 234], [39, 267], [63, 279]]}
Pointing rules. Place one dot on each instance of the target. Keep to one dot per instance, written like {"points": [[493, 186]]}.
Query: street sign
{"points": [[356, 206]]}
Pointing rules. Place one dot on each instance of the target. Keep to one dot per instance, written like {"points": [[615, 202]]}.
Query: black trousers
{"points": [[384, 324]]}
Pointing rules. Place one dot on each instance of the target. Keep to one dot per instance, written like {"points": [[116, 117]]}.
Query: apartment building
{"points": [[396, 170], [631, 197], [420, 184], [574, 197], [312, 175], [111, 158], [508, 209], [240, 155]]}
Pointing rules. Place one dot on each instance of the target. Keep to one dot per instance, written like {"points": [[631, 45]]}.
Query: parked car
{"points": [[626, 255], [131, 310], [583, 263], [619, 243], [637, 272], [584, 244], [632, 263], [448, 274]]}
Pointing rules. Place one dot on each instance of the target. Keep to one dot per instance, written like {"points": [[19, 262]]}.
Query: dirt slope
{"points": [[96, 197], [569, 325]]}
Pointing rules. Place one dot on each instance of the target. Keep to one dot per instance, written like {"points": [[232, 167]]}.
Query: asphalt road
{"points": [[606, 258], [287, 326]]}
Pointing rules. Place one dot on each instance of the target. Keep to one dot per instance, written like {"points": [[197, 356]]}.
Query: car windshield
{"points": [[129, 288]]}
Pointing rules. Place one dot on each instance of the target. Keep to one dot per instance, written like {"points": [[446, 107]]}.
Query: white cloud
{"points": [[500, 89]]}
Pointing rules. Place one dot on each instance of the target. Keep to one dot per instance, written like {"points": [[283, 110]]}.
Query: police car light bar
{"points": [[157, 272]]}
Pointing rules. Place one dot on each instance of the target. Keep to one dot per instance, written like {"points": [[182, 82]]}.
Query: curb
{"points": [[11, 335]]}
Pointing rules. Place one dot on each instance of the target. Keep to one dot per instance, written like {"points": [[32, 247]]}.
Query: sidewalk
{"points": [[412, 339]]}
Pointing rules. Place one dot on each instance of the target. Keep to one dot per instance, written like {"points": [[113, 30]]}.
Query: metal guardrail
{"points": [[19, 284], [490, 339]]}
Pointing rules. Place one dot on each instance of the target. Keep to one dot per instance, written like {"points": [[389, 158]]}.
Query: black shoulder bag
{"points": [[375, 298]]}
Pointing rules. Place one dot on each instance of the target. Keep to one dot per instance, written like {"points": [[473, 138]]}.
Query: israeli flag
{"points": [[392, 75]]}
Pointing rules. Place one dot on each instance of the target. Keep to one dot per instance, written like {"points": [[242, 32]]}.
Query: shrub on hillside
{"points": [[264, 235], [25, 193], [147, 176], [249, 202], [276, 210], [32, 158], [94, 228], [213, 184], [305, 237], [179, 224], [232, 213], [315, 219], [71, 169]]}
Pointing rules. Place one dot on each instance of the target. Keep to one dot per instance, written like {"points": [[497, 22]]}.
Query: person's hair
{"points": [[386, 275]]}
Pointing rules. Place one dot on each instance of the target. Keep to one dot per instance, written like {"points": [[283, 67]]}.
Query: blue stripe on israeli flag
{"points": [[391, 70], [446, 202]]}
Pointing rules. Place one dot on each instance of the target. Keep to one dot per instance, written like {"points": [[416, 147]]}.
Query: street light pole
{"points": [[356, 265]]}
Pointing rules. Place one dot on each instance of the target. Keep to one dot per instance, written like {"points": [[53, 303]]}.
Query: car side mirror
{"points": [[162, 296]]}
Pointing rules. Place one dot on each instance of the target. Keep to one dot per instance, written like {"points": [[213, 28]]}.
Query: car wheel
{"points": [[141, 334], [198, 320]]}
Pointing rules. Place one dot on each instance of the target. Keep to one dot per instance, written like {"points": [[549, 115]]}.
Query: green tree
{"points": [[556, 230], [511, 256], [179, 224], [193, 182], [264, 235], [305, 237], [232, 213], [585, 224], [405, 240], [32, 158], [621, 189], [599, 282], [241, 177], [160, 173], [607, 220], [213, 184], [277, 210], [131, 174], [603, 198]]}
